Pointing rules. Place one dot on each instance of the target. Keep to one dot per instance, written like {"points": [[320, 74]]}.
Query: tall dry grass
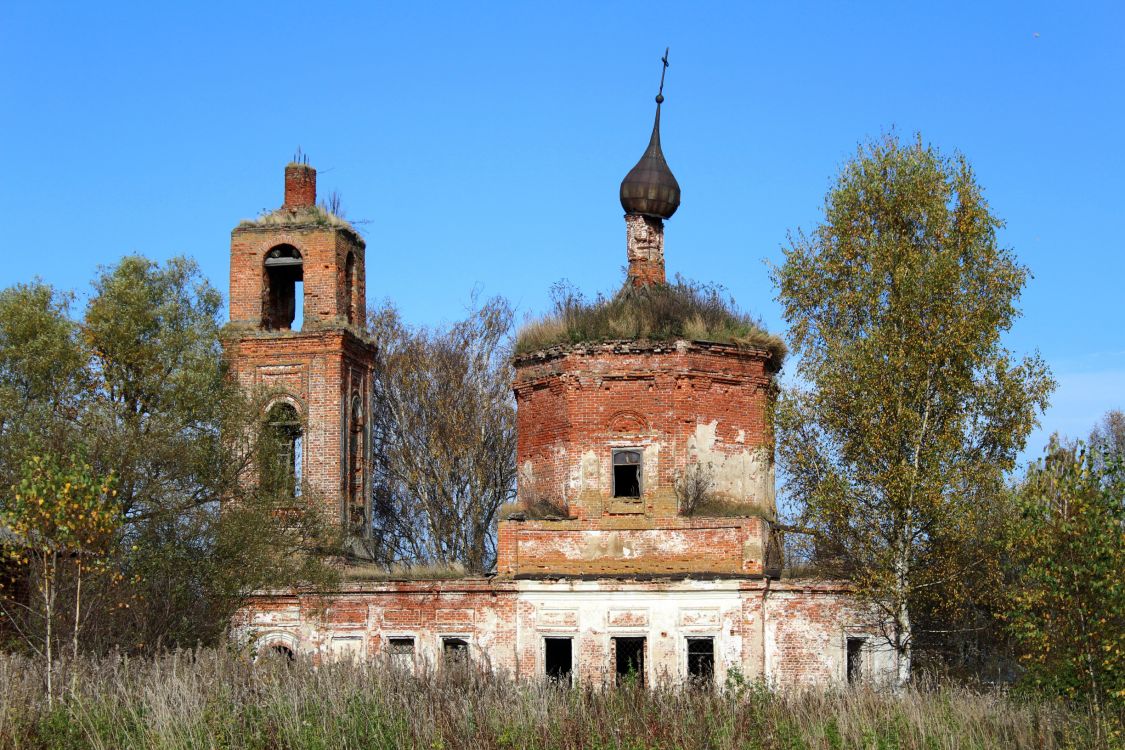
{"points": [[662, 312], [218, 699]]}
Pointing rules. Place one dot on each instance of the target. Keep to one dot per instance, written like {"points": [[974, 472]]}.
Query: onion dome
{"points": [[650, 188]]}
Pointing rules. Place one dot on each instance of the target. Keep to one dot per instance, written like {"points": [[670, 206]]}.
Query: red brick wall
{"points": [[324, 251], [319, 372], [644, 243], [320, 368], [480, 611], [630, 545], [596, 398], [575, 405], [787, 633]]}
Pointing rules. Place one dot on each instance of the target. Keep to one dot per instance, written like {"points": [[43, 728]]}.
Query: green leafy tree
{"points": [[1068, 599], [43, 374], [183, 437], [61, 521], [909, 410], [140, 385]]}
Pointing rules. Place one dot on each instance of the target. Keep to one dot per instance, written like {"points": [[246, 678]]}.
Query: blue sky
{"points": [[483, 144]]}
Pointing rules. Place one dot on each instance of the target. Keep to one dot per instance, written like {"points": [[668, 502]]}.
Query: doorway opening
{"points": [[855, 660]]}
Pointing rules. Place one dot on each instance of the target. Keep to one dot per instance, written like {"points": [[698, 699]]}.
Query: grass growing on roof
{"points": [[315, 215], [661, 312]]}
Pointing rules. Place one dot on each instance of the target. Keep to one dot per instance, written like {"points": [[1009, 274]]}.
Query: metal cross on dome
{"points": [[663, 70]]}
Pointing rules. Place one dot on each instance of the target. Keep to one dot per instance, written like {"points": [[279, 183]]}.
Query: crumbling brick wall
{"points": [[680, 404]]}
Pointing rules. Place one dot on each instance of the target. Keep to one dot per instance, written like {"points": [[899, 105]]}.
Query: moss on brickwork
{"points": [[660, 312]]}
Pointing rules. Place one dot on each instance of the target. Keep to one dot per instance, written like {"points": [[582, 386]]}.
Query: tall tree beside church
{"points": [[444, 438], [163, 417], [137, 387], [911, 410]]}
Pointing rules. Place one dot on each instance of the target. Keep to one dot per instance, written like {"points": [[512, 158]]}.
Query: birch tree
{"points": [[59, 523], [909, 409]]}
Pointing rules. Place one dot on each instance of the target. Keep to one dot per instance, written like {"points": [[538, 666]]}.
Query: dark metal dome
{"points": [[650, 188]]}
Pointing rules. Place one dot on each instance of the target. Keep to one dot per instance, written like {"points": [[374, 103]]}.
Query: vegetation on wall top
{"points": [[661, 312], [313, 215]]}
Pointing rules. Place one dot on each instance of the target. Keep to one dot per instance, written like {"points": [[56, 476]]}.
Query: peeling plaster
{"points": [[743, 475]]}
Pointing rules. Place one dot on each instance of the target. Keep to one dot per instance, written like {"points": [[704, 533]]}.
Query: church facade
{"points": [[617, 577]]}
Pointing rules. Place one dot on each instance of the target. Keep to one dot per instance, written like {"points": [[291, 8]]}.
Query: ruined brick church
{"points": [[626, 583]]}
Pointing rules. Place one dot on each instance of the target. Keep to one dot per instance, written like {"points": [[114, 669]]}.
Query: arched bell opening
{"points": [[282, 451], [283, 287]]}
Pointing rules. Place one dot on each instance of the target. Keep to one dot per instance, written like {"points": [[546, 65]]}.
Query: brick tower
{"points": [[297, 331], [614, 436]]}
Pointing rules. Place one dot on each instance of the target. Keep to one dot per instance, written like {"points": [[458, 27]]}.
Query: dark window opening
{"points": [[557, 661], [701, 659], [284, 274], [283, 652], [626, 473], [349, 288], [455, 652], [282, 449], [855, 660], [629, 660], [357, 506], [401, 653]]}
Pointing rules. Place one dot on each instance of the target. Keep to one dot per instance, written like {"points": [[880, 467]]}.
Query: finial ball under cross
{"points": [[663, 70]]}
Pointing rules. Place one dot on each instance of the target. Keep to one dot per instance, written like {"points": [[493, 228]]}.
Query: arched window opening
{"points": [[349, 288], [282, 451], [282, 652], [284, 277], [357, 508]]}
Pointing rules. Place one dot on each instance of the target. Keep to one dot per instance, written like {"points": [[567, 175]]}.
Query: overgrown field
{"points": [[212, 699]]}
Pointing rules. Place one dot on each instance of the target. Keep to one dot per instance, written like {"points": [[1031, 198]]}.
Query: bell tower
{"points": [[297, 331]]}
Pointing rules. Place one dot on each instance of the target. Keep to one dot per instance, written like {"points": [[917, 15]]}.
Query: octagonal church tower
{"points": [[643, 457]]}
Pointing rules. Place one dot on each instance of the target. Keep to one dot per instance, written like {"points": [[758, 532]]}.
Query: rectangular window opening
{"points": [[627, 473], [401, 653], [455, 652], [558, 654], [701, 659], [629, 660], [855, 660]]}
